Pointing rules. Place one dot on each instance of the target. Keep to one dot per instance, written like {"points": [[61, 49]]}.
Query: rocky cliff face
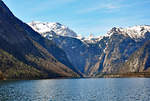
{"points": [[26, 54], [139, 61]]}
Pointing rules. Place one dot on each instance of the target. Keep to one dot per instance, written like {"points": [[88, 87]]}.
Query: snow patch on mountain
{"points": [[92, 39]]}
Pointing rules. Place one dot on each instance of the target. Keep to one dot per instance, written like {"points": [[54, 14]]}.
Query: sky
{"points": [[85, 17]]}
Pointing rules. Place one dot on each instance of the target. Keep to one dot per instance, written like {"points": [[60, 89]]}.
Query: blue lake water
{"points": [[125, 89]]}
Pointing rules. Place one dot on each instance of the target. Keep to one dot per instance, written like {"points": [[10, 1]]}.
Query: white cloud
{"points": [[105, 6]]}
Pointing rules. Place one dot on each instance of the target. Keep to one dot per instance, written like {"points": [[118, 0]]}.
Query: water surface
{"points": [[126, 89]]}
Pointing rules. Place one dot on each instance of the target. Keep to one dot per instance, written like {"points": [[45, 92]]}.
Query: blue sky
{"points": [[84, 16]]}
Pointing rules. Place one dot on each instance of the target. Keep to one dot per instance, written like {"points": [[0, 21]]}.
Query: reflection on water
{"points": [[137, 89]]}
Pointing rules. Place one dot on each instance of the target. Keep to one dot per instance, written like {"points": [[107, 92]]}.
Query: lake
{"points": [[116, 89]]}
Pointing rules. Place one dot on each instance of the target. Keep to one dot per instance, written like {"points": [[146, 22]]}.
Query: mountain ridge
{"points": [[131, 31]]}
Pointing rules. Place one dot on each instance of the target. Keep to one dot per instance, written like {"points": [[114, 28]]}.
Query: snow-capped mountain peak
{"points": [[133, 32], [45, 27]]}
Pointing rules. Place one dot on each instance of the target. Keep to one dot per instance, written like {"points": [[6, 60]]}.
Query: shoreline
{"points": [[131, 75]]}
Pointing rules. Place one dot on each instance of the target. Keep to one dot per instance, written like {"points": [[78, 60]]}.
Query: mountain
{"points": [[103, 54], [25, 54], [121, 46], [45, 27]]}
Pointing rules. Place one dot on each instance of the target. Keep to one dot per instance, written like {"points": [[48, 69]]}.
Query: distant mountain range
{"points": [[104, 54], [51, 50]]}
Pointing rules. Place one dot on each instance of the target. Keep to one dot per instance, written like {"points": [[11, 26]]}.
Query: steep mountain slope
{"points": [[26, 47], [15, 69], [1, 76]]}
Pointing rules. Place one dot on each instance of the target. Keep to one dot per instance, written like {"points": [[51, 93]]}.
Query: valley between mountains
{"points": [[41, 50]]}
